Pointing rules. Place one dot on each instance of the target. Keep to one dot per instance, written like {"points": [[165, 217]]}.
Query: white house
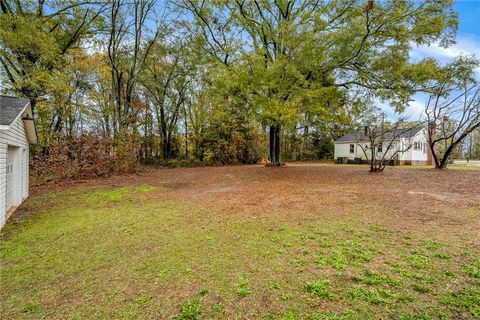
{"points": [[17, 131], [350, 146]]}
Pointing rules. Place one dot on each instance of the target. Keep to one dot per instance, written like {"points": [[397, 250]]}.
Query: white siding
{"points": [[343, 150], [3, 179], [422, 154], [14, 136], [407, 155], [416, 155]]}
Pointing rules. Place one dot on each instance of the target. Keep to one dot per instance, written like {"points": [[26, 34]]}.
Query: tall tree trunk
{"points": [[275, 145], [278, 160], [443, 164], [372, 161], [166, 147], [436, 161], [446, 156], [186, 140], [33, 103], [305, 145], [271, 143]]}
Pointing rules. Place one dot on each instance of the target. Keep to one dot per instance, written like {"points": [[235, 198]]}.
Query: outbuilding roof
{"points": [[10, 108], [360, 136]]}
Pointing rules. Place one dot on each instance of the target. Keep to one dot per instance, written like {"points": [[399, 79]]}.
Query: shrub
{"points": [[83, 156]]}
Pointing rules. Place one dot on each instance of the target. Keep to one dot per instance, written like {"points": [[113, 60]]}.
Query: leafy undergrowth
{"points": [[123, 253]]}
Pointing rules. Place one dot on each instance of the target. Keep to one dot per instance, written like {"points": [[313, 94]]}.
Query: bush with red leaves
{"points": [[83, 157]]}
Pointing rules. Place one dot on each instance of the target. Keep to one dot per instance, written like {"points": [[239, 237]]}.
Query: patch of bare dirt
{"points": [[425, 200]]}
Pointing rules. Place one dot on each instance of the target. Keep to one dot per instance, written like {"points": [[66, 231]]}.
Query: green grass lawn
{"points": [[122, 253], [462, 164]]}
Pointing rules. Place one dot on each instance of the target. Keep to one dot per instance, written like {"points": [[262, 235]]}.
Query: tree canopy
{"points": [[304, 57]]}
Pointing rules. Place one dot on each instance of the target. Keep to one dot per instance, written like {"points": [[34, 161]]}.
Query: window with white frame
{"points": [[352, 148], [380, 147]]}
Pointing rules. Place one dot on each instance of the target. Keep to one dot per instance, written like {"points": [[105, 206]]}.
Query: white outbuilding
{"points": [[17, 131]]}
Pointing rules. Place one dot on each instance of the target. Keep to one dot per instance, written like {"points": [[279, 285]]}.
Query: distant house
{"points": [[17, 131], [350, 146]]}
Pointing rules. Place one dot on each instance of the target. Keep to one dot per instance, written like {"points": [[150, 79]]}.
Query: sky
{"points": [[467, 42]]}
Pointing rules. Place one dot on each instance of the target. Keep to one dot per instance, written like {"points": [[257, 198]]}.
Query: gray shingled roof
{"points": [[10, 108], [359, 136]]}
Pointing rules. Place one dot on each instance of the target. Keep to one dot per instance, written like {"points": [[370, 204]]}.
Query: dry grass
{"points": [[301, 241]]}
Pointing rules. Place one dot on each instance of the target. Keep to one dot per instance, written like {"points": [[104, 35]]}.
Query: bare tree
{"points": [[129, 45], [451, 119], [382, 142], [166, 79]]}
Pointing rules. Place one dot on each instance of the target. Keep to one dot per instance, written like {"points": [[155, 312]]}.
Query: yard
{"points": [[304, 241]]}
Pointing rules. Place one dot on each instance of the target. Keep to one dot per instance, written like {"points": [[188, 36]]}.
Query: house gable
{"points": [[12, 110]]}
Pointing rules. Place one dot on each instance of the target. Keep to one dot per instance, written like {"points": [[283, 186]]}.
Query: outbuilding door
{"points": [[10, 178]]}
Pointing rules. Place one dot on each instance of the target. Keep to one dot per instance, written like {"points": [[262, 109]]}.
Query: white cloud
{"points": [[415, 108], [413, 112], [467, 44]]}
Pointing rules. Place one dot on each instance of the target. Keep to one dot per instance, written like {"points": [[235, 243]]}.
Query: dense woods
{"points": [[121, 83]]}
